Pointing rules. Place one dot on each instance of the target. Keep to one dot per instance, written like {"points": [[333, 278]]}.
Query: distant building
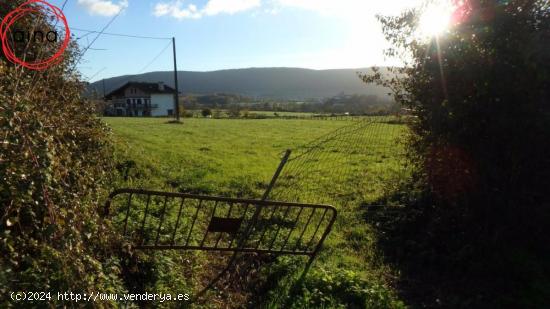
{"points": [[141, 99]]}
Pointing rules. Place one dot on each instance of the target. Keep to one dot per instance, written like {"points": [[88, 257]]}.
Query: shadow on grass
{"points": [[174, 122], [447, 261]]}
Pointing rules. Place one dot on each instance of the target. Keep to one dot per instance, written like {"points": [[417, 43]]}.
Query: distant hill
{"points": [[275, 83]]}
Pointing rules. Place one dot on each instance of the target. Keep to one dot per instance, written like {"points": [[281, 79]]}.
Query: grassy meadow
{"points": [[237, 158], [212, 156]]}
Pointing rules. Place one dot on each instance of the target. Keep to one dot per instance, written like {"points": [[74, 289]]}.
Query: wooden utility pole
{"points": [[176, 95]]}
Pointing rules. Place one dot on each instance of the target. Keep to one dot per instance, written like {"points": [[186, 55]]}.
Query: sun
{"points": [[435, 19]]}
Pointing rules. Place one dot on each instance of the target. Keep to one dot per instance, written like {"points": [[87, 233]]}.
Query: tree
{"points": [[189, 101], [480, 140], [183, 112], [217, 114], [55, 162], [206, 112], [234, 111]]}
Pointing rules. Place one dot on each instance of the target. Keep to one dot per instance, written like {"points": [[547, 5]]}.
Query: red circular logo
{"points": [[10, 38]]}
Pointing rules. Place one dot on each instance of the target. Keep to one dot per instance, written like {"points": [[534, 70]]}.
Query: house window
{"points": [[139, 101], [128, 102], [170, 112]]}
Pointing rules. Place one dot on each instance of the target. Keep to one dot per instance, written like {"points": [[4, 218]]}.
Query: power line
{"points": [[103, 69], [84, 36], [122, 35], [156, 57], [63, 6], [102, 32], [97, 37]]}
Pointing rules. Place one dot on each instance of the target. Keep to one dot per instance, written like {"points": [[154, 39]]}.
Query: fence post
{"points": [[249, 228], [276, 175]]}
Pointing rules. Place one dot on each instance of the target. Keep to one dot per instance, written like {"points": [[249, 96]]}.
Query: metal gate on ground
{"points": [[154, 220], [162, 221]]}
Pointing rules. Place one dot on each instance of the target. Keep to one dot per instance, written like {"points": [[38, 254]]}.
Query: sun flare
{"points": [[435, 19]]}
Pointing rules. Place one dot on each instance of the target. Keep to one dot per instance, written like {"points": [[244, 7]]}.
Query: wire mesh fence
{"points": [[351, 164]]}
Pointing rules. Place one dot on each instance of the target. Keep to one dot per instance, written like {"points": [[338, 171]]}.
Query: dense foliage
{"points": [[54, 159], [480, 95], [322, 288]]}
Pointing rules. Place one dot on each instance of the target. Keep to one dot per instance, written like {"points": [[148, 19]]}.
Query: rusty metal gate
{"points": [[154, 220], [164, 220]]}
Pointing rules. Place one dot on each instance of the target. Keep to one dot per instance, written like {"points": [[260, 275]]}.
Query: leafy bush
{"points": [[206, 112], [342, 289], [322, 288], [234, 111], [480, 96], [188, 114], [217, 114], [54, 163]]}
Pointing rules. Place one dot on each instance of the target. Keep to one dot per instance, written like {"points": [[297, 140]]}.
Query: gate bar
{"points": [[248, 230]]}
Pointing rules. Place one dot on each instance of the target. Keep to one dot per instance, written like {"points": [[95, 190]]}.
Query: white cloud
{"points": [[343, 8], [103, 7], [348, 8], [177, 9], [214, 7]]}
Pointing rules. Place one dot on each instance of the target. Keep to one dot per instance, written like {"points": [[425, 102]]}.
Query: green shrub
{"points": [[54, 167], [206, 112], [479, 94], [322, 288], [342, 289]]}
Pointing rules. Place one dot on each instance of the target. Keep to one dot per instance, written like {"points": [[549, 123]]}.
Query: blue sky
{"points": [[225, 34]]}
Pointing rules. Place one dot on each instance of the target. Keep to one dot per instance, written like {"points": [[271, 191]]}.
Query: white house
{"points": [[141, 99]]}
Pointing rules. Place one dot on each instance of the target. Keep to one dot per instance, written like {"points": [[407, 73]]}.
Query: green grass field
{"points": [[237, 158], [210, 155]]}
